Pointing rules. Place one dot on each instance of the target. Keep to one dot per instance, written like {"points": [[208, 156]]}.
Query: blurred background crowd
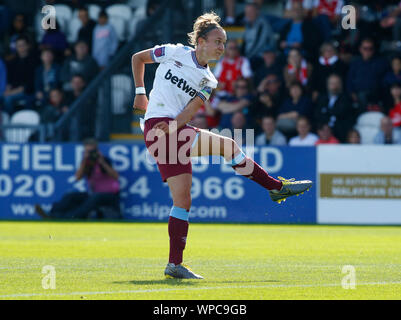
{"points": [[293, 74]]}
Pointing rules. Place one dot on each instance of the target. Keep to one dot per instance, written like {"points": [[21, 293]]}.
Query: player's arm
{"points": [[138, 62], [184, 117]]}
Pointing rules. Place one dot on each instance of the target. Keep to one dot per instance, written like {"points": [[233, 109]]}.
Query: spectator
{"points": [[387, 134], [81, 63], [297, 104], [258, 33], [270, 65], [297, 69], [327, 14], [305, 137], [353, 137], [392, 77], [270, 96], [325, 135], [20, 77], [86, 117], [56, 40], [47, 76], [105, 41], [238, 121], [270, 135], [56, 107], [241, 101], [335, 108], [329, 63], [231, 67], [85, 33], [365, 74], [300, 33], [395, 112], [103, 189], [19, 28]]}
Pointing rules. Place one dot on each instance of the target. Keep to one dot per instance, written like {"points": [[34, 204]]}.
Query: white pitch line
{"points": [[200, 288]]}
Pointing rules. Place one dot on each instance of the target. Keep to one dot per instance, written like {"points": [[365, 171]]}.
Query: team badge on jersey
{"points": [[160, 52], [203, 82]]}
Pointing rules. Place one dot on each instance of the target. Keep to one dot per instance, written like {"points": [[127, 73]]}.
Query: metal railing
{"points": [[94, 106]]}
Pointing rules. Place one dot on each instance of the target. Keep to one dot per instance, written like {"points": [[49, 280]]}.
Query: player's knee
{"points": [[183, 201]]}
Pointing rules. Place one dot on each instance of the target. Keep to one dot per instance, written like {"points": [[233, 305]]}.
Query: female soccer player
{"points": [[182, 83]]}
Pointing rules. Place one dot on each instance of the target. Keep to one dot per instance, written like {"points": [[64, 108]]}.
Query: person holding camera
{"points": [[103, 189]]}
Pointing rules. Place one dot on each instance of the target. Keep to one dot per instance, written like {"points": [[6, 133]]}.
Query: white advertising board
{"points": [[359, 184]]}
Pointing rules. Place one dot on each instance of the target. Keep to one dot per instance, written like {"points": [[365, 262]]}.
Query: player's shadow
{"points": [[171, 282], [185, 282]]}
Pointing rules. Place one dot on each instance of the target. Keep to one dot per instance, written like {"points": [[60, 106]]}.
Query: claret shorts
{"points": [[172, 152]]}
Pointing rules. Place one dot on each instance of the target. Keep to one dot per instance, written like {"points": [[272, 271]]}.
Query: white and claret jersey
{"points": [[179, 78]]}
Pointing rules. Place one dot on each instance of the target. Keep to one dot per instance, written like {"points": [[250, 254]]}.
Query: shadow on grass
{"points": [[172, 282], [185, 282]]}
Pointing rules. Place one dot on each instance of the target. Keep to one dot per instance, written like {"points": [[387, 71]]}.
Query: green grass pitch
{"points": [[99, 260]]}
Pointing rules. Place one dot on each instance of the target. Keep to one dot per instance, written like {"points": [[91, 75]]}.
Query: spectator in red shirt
{"points": [[395, 112], [325, 135], [353, 137], [231, 67]]}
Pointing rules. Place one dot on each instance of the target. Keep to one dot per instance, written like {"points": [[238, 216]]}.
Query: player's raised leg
{"points": [[180, 188], [210, 143]]}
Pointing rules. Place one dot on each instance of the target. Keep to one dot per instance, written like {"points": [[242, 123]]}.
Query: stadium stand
{"points": [[140, 24]]}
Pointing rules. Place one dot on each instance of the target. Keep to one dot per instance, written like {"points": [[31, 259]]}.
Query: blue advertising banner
{"points": [[41, 173]]}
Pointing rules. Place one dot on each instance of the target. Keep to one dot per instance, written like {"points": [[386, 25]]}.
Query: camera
{"points": [[93, 155]]}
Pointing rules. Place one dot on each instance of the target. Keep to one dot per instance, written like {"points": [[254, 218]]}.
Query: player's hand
{"points": [[141, 102], [163, 126]]}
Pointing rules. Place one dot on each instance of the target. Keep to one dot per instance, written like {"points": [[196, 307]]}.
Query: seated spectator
{"points": [[56, 107], [353, 137], [20, 77], [297, 69], [238, 121], [335, 108], [394, 103], [365, 74], [327, 14], [258, 33], [325, 135], [105, 41], [329, 63], [297, 104], [47, 76], [387, 134], [240, 101], [270, 135], [391, 77], [56, 40], [395, 112], [305, 137], [270, 65], [231, 67], [270, 96], [103, 185], [19, 28], [80, 63], [86, 117], [85, 33], [300, 33]]}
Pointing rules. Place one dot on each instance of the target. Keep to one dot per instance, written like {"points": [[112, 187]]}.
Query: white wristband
{"points": [[140, 90]]}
